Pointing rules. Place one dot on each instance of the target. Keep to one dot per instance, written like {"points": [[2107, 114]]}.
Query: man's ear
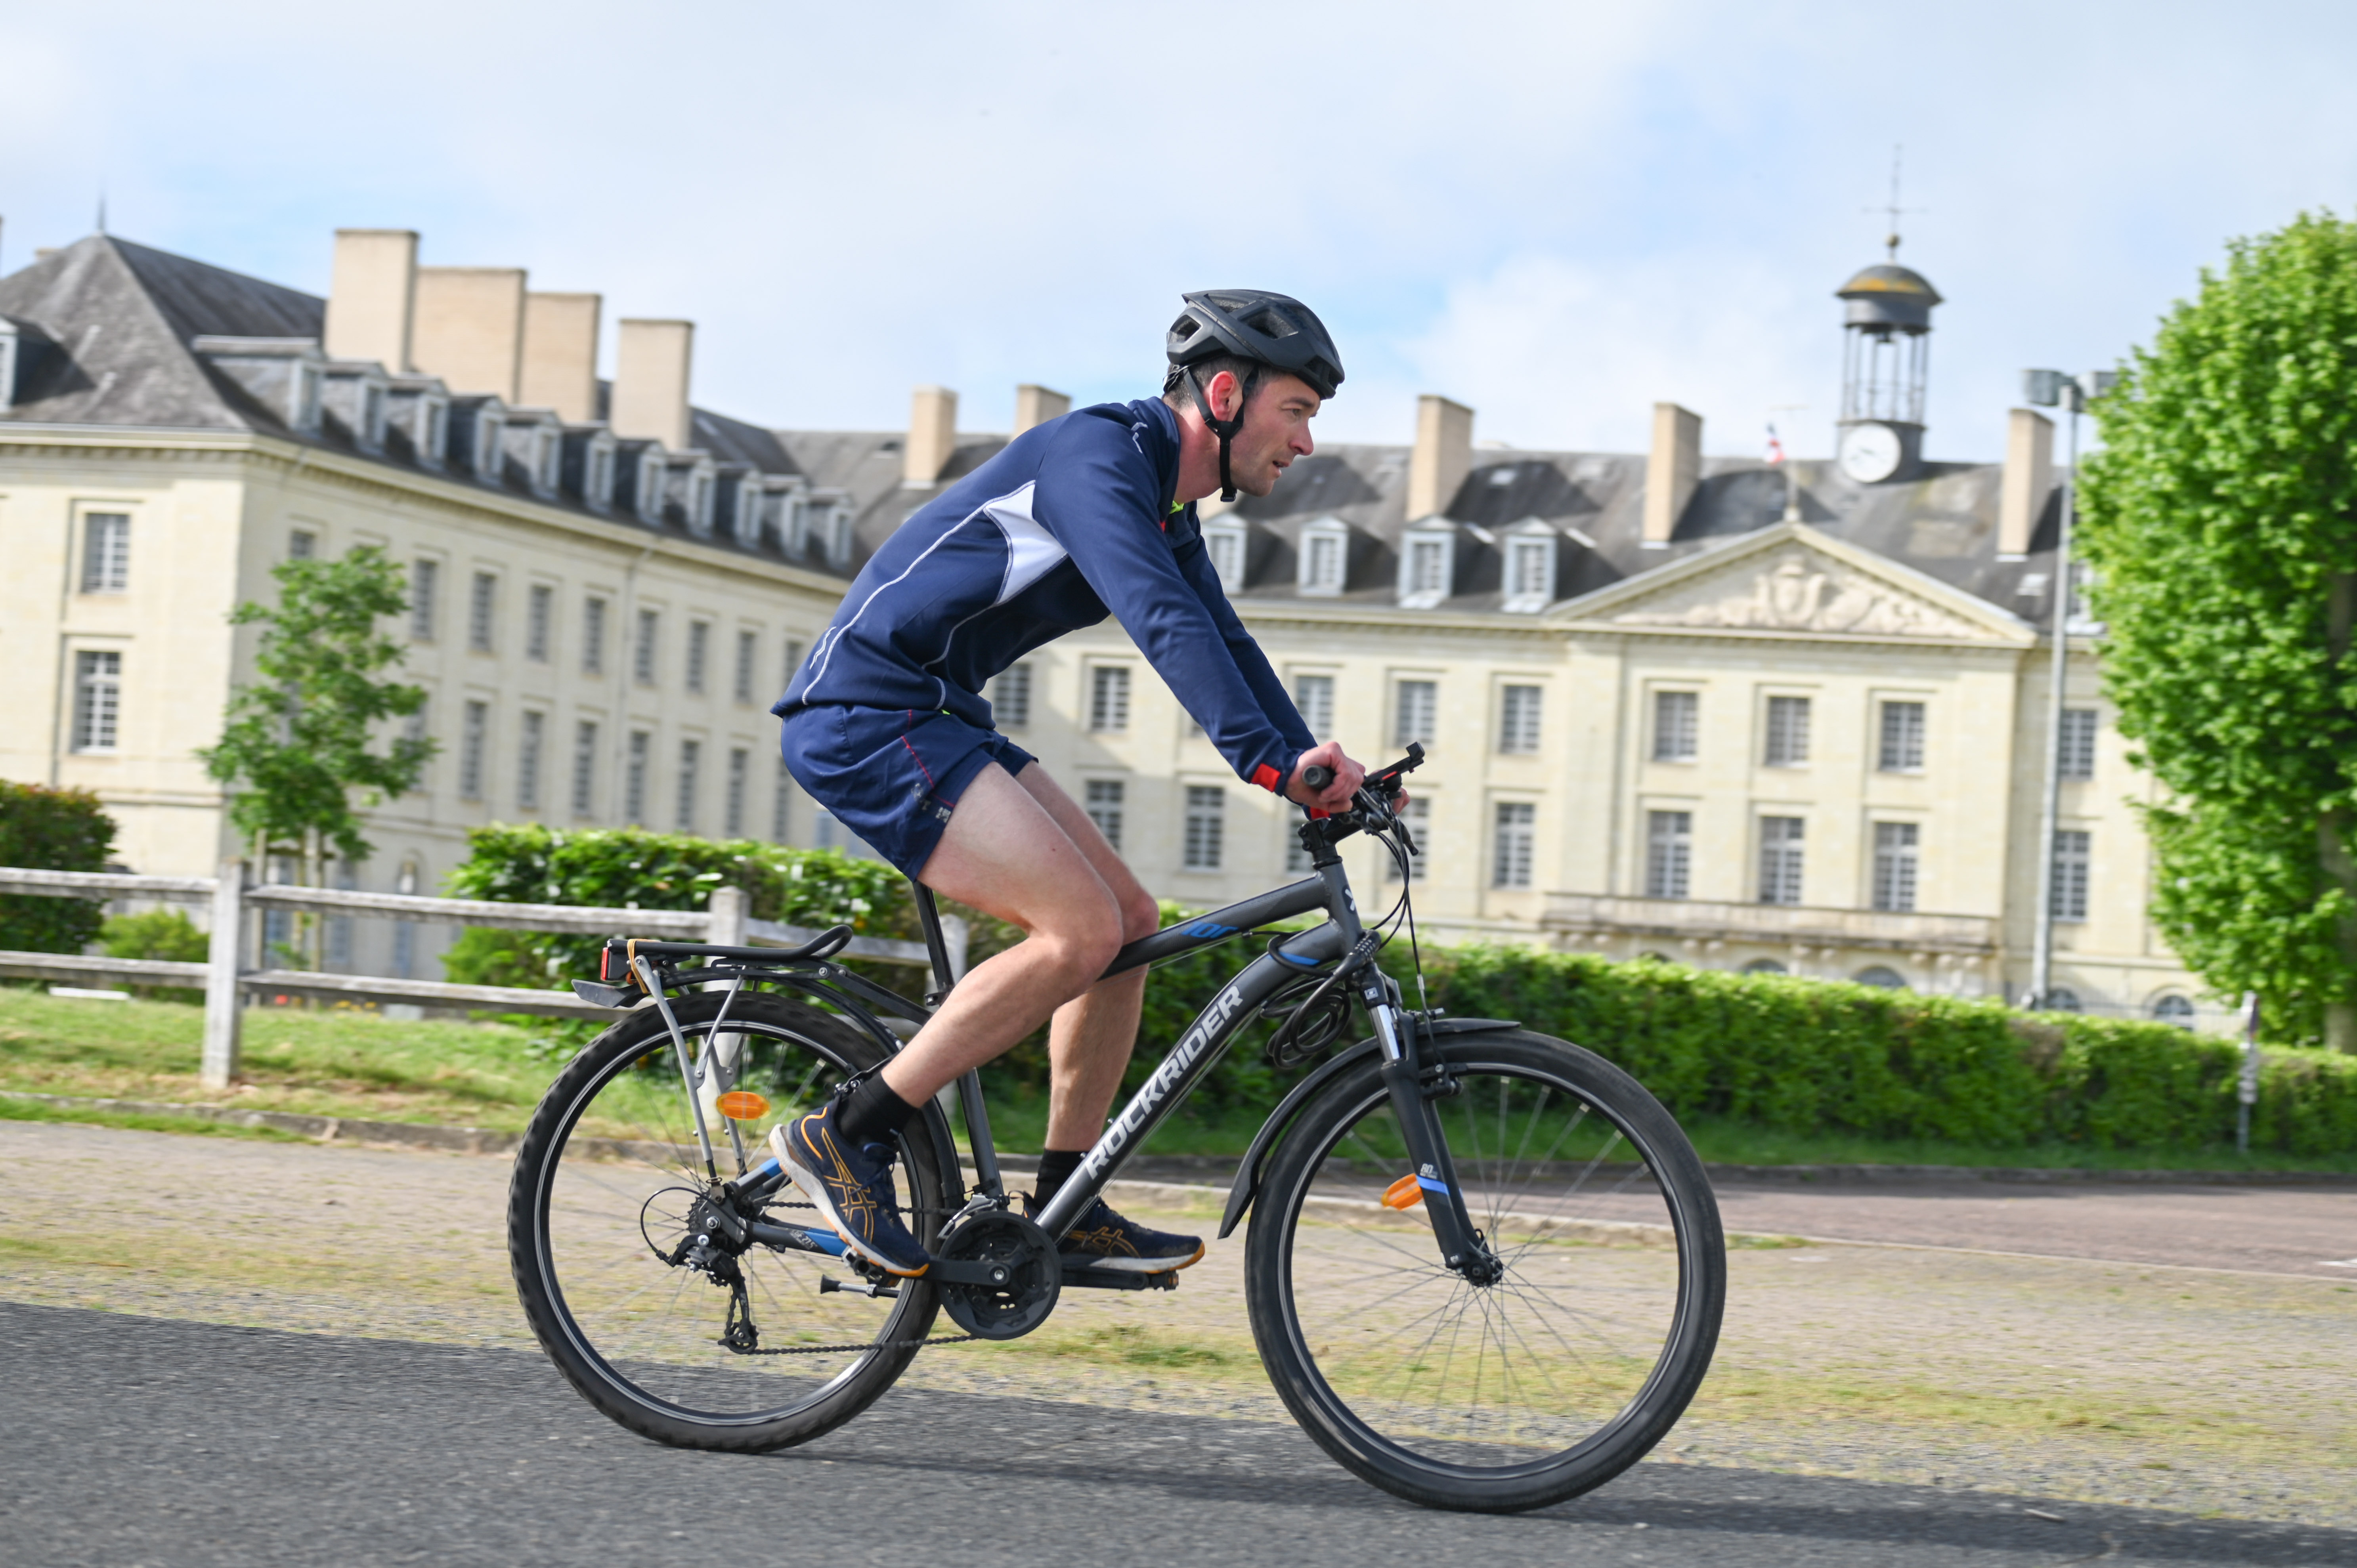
{"points": [[1227, 395]]}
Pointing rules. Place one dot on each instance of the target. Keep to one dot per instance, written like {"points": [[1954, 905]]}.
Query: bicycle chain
{"points": [[866, 1345]]}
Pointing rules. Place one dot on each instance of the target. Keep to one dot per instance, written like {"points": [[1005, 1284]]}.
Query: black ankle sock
{"points": [[873, 1113], [1056, 1168]]}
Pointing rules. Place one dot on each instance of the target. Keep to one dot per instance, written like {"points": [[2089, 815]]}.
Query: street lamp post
{"points": [[2046, 389]]}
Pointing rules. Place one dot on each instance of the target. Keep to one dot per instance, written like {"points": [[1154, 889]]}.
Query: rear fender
{"points": [[1247, 1182]]}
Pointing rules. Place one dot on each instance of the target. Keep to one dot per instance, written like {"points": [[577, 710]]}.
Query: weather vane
{"points": [[1893, 211]]}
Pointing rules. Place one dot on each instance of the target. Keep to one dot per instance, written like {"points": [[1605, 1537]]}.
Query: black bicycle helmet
{"points": [[1270, 329]]}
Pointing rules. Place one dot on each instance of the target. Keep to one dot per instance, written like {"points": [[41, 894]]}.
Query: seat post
{"points": [[937, 947]]}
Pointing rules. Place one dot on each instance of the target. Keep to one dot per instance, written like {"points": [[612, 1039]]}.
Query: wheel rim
{"points": [[1507, 1380], [615, 1194]]}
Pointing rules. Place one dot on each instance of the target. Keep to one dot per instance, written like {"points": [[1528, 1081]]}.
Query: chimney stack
{"points": [[560, 355], [1443, 456], [469, 329], [372, 297], [1038, 405], [650, 368], [932, 436], [1671, 471], [2029, 476]]}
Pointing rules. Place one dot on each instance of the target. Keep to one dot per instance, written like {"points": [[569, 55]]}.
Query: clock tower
{"points": [[1885, 352]]}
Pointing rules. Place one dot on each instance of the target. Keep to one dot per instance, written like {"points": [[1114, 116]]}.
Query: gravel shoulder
{"points": [[2116, 1381]]}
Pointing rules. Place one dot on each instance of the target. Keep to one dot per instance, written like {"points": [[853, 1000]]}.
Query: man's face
{"points": [[1276, 427]]}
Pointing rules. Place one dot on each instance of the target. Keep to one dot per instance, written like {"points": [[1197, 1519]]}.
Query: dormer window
{"points": [[648, 503], [747, 521], [1428, 564], [548, 459], [1224, 541], [795, 528], [491, 440], [303, 399], [432, 433], [1325, 560], [1530, 568], [597, 473], [371, 415]]}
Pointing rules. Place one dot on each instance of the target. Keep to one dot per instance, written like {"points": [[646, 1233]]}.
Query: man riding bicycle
{"points": [[886, 727]]}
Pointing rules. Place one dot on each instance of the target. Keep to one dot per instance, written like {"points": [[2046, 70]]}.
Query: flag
{"points": [[1775, 448]]}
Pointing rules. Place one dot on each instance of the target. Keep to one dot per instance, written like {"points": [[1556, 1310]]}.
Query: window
{"points": [[1314, 695], [490, 435], [2063, 999], [1415, 705], [746, 642], [434, 426], [1109, 697], [1669, 853], [1428, 569], [371, 415], [584, 768], [782, 805], [425, 581], [691, 779], [1894, 862], [98, 700], [2078, 744], [1418, 818], [598, 488], [1882, 976], [1780, 860], [534, 729], [474, 734], [2070, 863], [1530, 573], [302, 544], [740, 764], [1226, 546], [793, 660], [105, 552], [1105, 801], [593, 636], [1902, 739], [1322, 559], [699, 652], [480, 599], [414, 729], [1010, 697], [1207, 808], [539, 610], [1518, 724], [1788, 731], [1677, 726], [634, 779], [2173, 1009], [1765, 966], [1510, 862], [826, 833], [643, 657]]}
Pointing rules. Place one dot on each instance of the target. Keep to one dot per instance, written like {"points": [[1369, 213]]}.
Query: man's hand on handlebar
{"points": [[1342, 776]]}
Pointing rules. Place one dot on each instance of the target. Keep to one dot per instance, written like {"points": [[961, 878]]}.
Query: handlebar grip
{"points": [[1317, 776]]}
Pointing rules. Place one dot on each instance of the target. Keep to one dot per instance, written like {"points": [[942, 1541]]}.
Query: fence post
{"points": [[225, 997], [726, 912]]}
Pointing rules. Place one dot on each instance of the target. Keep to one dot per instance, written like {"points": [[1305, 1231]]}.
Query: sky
{"points": [[1557, 213]]}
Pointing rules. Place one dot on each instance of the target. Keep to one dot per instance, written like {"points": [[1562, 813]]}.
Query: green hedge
{"points": [[1784, 1055], [52, 829]]}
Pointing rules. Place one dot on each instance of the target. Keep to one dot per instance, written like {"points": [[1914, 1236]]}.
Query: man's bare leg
{"points": [[1006, 853]]}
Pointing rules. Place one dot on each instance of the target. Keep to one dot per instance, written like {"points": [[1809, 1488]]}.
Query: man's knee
{"points": [[1141, 916]]}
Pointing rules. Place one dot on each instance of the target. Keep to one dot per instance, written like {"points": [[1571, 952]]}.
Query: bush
{"points": [[164, 934], [52, 829]]}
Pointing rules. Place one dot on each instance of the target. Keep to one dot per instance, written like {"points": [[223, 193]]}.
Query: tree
{"points": [[297, 744], [52, 829], [2220, 519]]}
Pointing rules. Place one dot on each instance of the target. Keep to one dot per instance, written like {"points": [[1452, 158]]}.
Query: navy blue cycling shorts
{"points": [[892, 776]]}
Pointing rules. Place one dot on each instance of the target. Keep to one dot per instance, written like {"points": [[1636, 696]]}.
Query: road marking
{"points": [[2338, 1264]]}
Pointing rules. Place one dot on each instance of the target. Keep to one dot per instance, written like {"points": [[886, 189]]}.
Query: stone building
{"points": [[1737, 714]]}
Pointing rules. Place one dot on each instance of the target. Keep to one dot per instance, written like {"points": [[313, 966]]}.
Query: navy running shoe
{"points": [[851, 1187], [1101, 1238]]}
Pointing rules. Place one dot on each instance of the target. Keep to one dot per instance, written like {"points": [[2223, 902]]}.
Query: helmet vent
{"points": [[1269, 324]]}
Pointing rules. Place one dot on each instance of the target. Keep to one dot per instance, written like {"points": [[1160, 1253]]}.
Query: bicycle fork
{"points": [[1464, 1250]]}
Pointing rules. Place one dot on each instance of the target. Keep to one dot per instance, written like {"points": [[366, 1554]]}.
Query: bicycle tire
{"points": [[638, 1336], [1603, 1327]]}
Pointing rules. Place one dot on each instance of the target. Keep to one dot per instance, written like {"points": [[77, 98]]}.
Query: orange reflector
{"points": [[742, 1105], [1404, 1193]]}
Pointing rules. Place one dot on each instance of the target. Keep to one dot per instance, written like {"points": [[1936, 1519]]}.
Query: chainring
{"points": [[1035, 1275]]}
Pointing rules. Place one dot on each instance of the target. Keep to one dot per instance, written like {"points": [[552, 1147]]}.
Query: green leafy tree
{"points": [[302, 743], [2220, 517], [52, 829]]}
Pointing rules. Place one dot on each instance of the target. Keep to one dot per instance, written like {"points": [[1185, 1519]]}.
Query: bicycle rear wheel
{"points": [[600, 1207], [1508, 1396]]}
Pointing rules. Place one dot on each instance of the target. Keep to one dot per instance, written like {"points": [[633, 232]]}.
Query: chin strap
{"points": [[1225, 429]]}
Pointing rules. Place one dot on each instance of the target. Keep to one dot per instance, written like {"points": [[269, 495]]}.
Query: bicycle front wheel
{"points": [[608, 1178], [1507, 1396]]}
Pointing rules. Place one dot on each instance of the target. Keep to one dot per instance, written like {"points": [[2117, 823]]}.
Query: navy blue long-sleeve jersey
{"points": [[1072, 521]]}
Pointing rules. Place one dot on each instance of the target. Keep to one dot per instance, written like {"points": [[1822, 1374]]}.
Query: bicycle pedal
{"points": [[1083, 1276], [828, 1285]]}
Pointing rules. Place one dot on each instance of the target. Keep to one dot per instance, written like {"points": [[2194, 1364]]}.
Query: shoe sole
{"points": [[807, 1182], [1131, 1265]]}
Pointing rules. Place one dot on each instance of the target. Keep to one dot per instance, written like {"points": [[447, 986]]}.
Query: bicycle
{"points": [[1485, 1269]]}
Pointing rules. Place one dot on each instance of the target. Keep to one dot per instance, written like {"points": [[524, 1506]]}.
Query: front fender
{"points": [[1247, 1182]]}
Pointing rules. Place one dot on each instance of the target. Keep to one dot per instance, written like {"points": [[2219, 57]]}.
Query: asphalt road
{"points": [[141, 1441]]}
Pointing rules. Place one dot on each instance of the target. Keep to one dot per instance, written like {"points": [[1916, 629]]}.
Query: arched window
{"points": [[1886, 978], [2171, 1008], [1765, 966], [2063, 999]]}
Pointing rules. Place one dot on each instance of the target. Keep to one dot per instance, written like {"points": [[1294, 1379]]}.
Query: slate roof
{"points": [[121, 317]]}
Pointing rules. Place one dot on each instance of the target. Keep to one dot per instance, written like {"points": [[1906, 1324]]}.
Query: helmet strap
{"points": [[1225, 429]]}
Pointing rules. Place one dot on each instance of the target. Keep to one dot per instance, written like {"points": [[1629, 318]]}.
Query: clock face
{"points": [[1871, 453]]}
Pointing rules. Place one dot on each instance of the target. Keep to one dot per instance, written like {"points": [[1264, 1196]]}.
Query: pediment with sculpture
{"points": [[1797, 589]]}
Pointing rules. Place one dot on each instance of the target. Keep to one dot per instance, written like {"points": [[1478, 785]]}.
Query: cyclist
{"points": [[886, 727]]}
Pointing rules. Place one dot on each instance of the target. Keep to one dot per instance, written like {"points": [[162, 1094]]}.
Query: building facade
{"points": [[1730, 714]]}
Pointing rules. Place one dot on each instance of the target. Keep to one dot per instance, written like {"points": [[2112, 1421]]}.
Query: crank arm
{"points": [[795, 1237]]}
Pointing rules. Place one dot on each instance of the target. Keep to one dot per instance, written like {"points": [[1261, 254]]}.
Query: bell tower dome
{"points": [[1886, 356]]}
